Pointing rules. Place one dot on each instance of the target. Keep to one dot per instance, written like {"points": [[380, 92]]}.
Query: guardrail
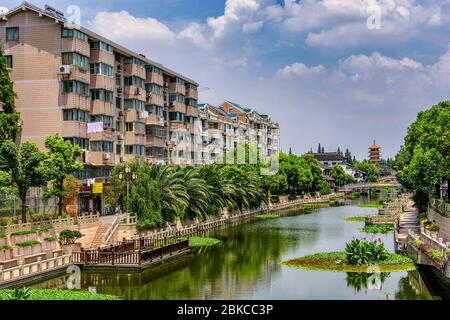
{"points": [[30, 269], [54, 223], [111, 230]]}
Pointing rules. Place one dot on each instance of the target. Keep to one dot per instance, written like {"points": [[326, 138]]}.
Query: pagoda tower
{"points": [[374, 153]]}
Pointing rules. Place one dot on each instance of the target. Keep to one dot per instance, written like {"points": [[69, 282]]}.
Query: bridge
{"points": [[368, 186]]}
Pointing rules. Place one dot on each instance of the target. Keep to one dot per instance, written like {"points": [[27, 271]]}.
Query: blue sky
{"points": [[315, 66]]}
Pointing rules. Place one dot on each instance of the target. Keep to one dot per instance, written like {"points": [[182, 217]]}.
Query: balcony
{"points": [[133, 69], [99, 81], [152, 77], [155, 120], [102, 107], [193, 94], [74, 129], [177, 88], [98, 55], [132, 138], [192, 111], [156, 99], [75, 45], [102, 158], [152, 141], [176, 106], [133, 92], [73, 99]]}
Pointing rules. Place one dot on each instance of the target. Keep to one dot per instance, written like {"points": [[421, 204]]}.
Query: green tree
{"points": [[370, 170], [348, 156], [340, 176], [318, 180], [424, 160], [25, 167], [62, 161], [9, 117]]}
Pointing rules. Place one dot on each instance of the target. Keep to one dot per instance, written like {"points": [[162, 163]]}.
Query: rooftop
{"points": [[59, 17], [328, 156]]}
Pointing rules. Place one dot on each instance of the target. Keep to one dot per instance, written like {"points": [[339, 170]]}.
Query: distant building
{"points": [[374, 153], [329, 159]]}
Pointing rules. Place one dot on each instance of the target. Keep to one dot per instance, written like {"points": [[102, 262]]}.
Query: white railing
{"points": [[27, 270], [111, 230]]}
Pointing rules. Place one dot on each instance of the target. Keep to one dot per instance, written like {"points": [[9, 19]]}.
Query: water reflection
{"points": [[246, 265], [366, 281]]}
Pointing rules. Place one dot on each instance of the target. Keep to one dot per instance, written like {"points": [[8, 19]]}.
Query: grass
{"points": [[51, 294], [370, 205], [203, 242], [356, 219], [378, 228], [22, 232], [267, 216], [336, 262]]}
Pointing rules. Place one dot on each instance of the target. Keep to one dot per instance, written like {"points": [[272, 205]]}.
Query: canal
{"points": [[246, 265]]}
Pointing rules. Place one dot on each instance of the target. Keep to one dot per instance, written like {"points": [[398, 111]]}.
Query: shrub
{"points": [[6, 248], [50, 239], [28, 243], [418, 243], [19, 294], [292, 197], [432, 227], [44, 229], [69, 236], [423, 216], [447, 252], [2, 235], [360, 252], [436, 255], [424, 247], [275, 198], [22, 232]]}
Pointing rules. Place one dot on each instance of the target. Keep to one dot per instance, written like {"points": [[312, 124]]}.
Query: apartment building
{"points": [[230, 124], [115, 103]]}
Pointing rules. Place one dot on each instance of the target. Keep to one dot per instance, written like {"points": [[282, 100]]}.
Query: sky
{"points": [[336, 72]]}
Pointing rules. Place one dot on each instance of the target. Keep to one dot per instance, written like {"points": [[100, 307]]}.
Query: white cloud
{"points": [[122, 25], [252, 26], [298, 70], [194, 33]]}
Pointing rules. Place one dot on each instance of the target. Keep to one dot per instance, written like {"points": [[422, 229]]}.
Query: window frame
{"points": [[16, 34]]}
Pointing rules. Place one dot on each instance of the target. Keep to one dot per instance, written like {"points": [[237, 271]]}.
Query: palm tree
{"points": [[198, 193]]}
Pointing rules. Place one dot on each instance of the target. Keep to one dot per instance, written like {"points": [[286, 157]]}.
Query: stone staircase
{"points": [[407, 220], [99, 235]]}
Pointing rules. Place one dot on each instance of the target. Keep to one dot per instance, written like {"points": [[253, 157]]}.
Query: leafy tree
{"points": [[370, 170], [424, 160], [348, 156], [340, 176], [9, 117], [25, 167], [318, 180], [62, 161]]}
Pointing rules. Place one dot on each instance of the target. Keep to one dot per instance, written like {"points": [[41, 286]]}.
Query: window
{"points": [[75, 87], [135, 149], [191, 102], [134, 81], [82, 142], [73, 33], [154, 151], [176, 97], [134, 104], [176, 116], [177, 80], [134, 60], [12, 34], [75, 115], [156, 131], [108, 121], [76, 59], [139, 128], [102, 69], [118, 103], [154, 88], [103, 95], [102, 146], [101, 45], [191, 86], [153, 109], [154, 70], [9, 62]]}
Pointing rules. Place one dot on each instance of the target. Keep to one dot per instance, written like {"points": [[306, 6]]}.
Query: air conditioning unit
{"points": [[106, 156], [119, 90], [121, 113], [120, 67], [64, 69], [149, 95], [120, 137], [138, 91]]}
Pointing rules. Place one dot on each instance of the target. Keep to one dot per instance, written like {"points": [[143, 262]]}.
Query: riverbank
{"points": [[336, 262]]}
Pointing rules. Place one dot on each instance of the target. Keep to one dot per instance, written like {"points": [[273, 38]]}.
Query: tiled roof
{"points": [[328, 156]]}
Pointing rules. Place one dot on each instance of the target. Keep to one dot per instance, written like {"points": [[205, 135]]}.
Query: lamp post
{"points": [[128, 176]]}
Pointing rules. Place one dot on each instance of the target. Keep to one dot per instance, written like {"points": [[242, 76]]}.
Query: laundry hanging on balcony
{"points": [[95, 127]]}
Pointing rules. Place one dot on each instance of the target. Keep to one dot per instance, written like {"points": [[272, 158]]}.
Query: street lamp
{"points": [[127, 176]]}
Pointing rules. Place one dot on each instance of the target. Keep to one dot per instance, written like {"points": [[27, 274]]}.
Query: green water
{"points": [[246, 265]]}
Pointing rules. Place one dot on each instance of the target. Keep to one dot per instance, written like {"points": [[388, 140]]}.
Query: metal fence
{"points": [[10, 206]]}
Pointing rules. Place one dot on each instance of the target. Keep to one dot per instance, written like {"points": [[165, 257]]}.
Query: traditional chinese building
{"points": [[374, 153]]}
